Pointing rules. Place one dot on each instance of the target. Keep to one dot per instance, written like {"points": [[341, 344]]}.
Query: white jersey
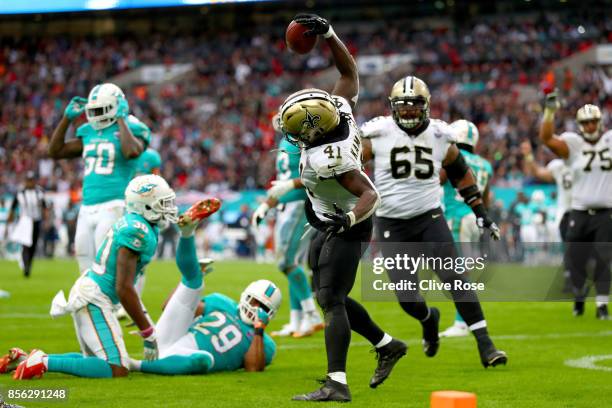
{"points": [[591, 166], [319, 165], [563, 178], [407, 168]]}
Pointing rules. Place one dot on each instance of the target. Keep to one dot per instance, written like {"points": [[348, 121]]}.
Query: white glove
{"points": [[259, 214], [151, 351], [280, 188]]}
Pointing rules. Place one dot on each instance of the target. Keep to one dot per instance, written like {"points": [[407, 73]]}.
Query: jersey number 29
{"points": [[227, 338]]}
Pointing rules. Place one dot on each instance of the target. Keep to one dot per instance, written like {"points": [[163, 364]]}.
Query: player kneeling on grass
{"points": [[225, 335], [128, 247]]}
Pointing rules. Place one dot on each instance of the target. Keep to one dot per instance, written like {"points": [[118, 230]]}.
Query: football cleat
{"points": [[431, 340], [578, 308], [32, 367], [330, 391], [190, 219], [387, 357], [11, 360], [458, 329], [286, 331], [493, 357], [602, 312], [308, 327]]}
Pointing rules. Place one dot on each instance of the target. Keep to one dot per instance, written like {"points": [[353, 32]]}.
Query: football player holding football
{"points": [[409, 149], [108, 142], [125, 251], [341, 201], [589, 156], [291, 240]]}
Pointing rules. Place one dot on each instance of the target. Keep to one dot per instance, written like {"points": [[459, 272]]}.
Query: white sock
{"points": [[308, 305], [295, 317], [478, 325], [385, 340], [338, 376], [134, 365], [601, 300]]}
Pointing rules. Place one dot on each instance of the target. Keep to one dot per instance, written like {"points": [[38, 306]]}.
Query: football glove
{"points": [[280, 188], [123, 109], [552, 102], [259, 214], [317, 25], [75, 108], [338, 222], [151, 351], [263, 318], [487, 223]]}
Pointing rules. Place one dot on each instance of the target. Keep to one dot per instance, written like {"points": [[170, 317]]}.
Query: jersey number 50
{"points": [[103, 162], [402, 168]]}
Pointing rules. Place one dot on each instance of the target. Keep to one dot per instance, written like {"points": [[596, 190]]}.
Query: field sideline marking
{"points": [[588, 362], [519, 337]]}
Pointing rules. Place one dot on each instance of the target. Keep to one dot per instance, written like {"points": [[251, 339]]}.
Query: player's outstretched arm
{"points": [[531, 167], [462, 178], [547, 127], [58, 147], [348, 84]]}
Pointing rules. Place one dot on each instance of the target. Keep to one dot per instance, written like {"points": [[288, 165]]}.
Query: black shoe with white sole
{"points": [[330, 391], [387, 357]]}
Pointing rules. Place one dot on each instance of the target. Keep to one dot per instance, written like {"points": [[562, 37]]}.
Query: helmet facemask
{"points": [[409, 112]]}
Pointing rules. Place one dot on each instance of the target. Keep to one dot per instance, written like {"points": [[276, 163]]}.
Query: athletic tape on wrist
{"points": [[329, 33]]}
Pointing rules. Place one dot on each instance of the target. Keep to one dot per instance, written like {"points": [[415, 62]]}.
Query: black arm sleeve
{"points": [[456, 170]]}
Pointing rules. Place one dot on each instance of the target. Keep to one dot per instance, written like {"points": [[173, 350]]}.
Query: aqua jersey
{"points": [[131, 231], [107, 172], [287, 168], [527, 212], [147, 161], [222, 333], [455, 207]]}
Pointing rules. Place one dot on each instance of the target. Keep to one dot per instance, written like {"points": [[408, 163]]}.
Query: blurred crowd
{"points": [[214, 131]]}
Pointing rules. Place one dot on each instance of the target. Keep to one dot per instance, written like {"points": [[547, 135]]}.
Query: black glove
{"points": [[317, 25], [485, 222], [338, 222]]}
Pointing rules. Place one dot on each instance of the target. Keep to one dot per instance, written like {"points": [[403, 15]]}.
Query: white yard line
{"points": [[589, 362]]}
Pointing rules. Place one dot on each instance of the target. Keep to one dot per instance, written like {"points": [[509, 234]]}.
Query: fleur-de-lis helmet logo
{"points": [[311, 121]]}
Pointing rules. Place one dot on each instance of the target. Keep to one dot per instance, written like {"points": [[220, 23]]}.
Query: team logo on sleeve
{"points": [[311, 121]]}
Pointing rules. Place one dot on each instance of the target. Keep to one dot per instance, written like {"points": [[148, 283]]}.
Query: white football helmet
{"points": [[586, 113], [151, 196], [102, 105], [466, 132], [266, 293], [538, 197]]}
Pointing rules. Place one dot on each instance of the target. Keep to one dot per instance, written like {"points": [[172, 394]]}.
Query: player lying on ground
{"points": [[225, 335], [291, 241], [128, 247]]}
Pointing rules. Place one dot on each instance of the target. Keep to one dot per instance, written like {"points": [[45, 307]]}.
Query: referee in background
{"points": [[32, 208]]}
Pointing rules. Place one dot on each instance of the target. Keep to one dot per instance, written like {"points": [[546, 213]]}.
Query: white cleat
{"points": [[456, 330], [309, 326], [286, 331], [4, 294], [121, 314]]}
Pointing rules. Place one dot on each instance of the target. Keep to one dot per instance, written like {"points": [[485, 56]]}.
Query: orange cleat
{"points": [[11, 360], [32, 367], [189, 220]]}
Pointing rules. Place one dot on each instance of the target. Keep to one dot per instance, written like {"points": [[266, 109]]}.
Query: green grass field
{"points": [[538, 337]]}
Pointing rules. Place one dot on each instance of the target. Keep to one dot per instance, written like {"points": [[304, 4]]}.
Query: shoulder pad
{"points": [[335, 158], [375, 127]]}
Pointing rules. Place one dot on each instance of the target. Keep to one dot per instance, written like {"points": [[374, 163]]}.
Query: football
{"points": [[296, 41]]}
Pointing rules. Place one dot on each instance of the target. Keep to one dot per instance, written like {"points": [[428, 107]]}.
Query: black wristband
{"points": [[259, 331], [470, 194]]}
